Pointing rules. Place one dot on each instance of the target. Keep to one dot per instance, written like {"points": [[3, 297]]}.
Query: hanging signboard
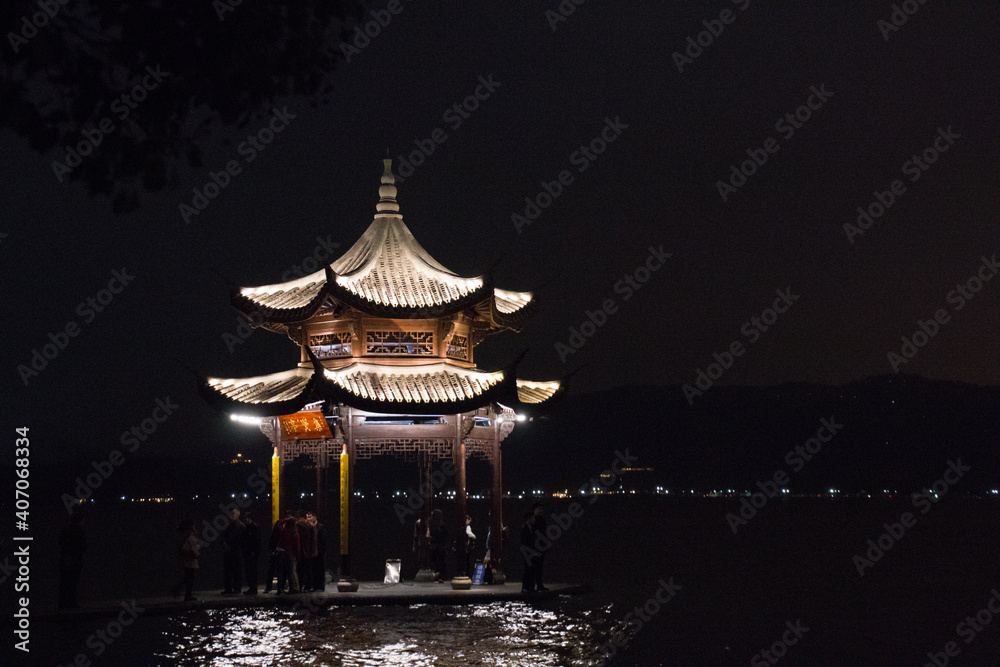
{"points": [[305, 426]]}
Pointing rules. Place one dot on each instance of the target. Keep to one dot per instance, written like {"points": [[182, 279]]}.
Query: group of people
{"points": [[297, 555], [240, 552], [435, 534], [534, 544]]}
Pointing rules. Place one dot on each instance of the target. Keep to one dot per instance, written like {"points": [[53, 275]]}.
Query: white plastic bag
{"points": [[392, 568]]}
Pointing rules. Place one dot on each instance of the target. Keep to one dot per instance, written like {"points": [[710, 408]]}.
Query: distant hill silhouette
{"points": [[899, 431]]}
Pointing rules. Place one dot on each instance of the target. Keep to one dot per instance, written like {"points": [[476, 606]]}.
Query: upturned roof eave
{"points": [[321, 387]]}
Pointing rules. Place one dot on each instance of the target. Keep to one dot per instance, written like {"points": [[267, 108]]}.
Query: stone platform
{"points": [[369, 593]]}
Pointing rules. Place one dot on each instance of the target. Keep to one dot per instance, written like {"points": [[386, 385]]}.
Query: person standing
{"points": [[540, 539], [291, 523], [272, 559], [438, 544], [232, 541], [72, 544], [319, 562], [421, 538], [288, 550], [308, 552], [188, 551], [470, 545], [250, 552], [529, 555]]}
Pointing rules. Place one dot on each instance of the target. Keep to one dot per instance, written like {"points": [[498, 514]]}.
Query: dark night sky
{"points": [[654, 185]]}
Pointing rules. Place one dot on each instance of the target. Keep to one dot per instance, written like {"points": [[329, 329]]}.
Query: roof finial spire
{"points": [[387, 191]]}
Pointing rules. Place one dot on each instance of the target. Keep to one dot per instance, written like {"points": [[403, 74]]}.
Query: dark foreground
{"points": [[732, 596]]}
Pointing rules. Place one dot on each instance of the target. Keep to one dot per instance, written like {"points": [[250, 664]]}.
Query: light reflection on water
{"points": [[500, 633]]}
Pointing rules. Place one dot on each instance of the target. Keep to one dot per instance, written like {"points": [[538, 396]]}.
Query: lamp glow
{"points": [[245, 419]]}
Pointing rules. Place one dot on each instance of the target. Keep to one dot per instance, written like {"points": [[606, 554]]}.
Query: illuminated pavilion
{"points": [[386, 337]]}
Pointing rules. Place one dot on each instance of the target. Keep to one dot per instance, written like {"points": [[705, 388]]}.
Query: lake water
{"points": [[793, 563], [512, 633]]}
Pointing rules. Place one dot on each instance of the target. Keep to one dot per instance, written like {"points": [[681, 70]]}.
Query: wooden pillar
{"points": [[323, 503], [496, 512], [352, 541], [425, 490], [462, 565], [461, 580]]}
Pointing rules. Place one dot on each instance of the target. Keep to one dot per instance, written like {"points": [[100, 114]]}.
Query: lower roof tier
{"points": [[425, 389]]}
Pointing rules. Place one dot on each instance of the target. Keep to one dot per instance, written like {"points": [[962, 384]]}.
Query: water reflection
{"points": [[500, 633]]}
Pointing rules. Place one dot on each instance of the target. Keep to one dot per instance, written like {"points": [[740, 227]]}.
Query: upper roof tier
{"points": [[386, 273]]}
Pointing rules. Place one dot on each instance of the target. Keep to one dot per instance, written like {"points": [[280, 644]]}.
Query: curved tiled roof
{"points": [[293, 294], [278, 393], [536, 392], [432, 383], [386, 273], [508, 302], [388, 267], [428, 388]]}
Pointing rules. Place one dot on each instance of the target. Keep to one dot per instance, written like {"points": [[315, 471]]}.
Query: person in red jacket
{"points": [[288, 552]]}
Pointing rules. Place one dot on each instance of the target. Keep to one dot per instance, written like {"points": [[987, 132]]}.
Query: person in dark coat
{"points": [[529, 555], [250, 552], [72, 544], [438, 545], [540, 539], [307, 551], [319, 561], [232, 563], [188, 551], [272, 560]]}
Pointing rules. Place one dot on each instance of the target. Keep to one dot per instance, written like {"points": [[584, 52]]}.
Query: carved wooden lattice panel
{"points": [[400, 342], [480, 447], [331, 345], [293, 448], [458, 348], [406, 448]]}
